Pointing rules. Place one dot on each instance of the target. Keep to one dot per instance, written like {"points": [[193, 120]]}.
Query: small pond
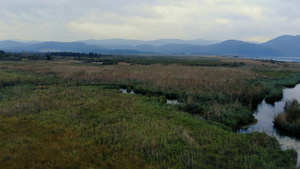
{"points": [[265, 114], [173, 102], [125, 91]]}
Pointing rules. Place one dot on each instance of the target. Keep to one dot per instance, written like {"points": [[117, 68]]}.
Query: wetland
{"points": [[70, 113]]}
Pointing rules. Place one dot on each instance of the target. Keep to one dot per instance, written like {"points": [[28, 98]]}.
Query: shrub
{"points": [[292, 110], [192, 108], [289, 120], [274, 95]]}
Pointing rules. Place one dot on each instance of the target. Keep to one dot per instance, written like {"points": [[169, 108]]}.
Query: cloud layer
{"points": [[70, 20]]}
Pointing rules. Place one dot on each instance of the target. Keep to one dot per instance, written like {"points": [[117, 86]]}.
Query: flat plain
{"points": [[70, 113]]}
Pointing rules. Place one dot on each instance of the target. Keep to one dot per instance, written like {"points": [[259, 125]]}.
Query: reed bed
{"points": [[54, 125], [222, 94], [191, 79]]}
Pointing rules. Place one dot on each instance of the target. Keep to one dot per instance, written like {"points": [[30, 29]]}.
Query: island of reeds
{"points": [[289, 119]]}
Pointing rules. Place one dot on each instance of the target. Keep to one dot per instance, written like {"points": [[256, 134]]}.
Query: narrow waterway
{"points": [[265, 114], [173, 102]]}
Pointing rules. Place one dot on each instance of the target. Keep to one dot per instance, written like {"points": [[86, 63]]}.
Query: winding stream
{"points": [[265, 114]]}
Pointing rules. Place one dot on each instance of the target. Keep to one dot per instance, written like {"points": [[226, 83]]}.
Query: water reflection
{"points": [[265, 114], [126, 92], [174, 102]]}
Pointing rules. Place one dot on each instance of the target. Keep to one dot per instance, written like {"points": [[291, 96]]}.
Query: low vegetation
{"points": [[66, 113], [215, 93], [289, 120]]}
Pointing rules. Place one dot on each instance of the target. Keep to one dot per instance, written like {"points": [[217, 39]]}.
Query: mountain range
{"points": [[283, 46]]}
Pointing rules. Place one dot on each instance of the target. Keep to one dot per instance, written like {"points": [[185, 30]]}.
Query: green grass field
{"points": [[65, 114]]}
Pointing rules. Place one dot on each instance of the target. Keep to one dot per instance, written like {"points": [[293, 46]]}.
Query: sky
{"points": [[72, 20]]}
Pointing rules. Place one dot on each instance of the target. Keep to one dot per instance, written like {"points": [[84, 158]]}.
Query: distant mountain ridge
{"points": [[52, 46], [283, 46], [287, 44], [229, 47], [157, 42], [11, 44]]}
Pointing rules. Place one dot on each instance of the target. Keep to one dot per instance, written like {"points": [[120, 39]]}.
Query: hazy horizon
{"points": [[80, 40], [67, 21]]}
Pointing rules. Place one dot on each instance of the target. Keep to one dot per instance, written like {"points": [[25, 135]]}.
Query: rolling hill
{"points": [[283, 46], [287, 44], [60, 47]]}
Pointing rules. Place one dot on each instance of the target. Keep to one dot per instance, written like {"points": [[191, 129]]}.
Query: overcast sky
{"points": [[71, 20]]}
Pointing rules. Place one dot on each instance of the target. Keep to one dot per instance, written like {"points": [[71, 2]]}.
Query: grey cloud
{"points": [[188, 19]]}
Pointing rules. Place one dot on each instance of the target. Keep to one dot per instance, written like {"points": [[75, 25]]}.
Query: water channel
{"points": [[173, 102], [265, 114]]}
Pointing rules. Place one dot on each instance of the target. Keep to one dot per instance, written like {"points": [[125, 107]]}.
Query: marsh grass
{"points": [[91, 127], [211, 89], [289, 120], [69, 115], [273, 88], [216, 86]]}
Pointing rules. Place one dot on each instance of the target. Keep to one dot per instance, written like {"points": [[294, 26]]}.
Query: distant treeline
{"points": [[42, 56], [111, 59], [77, 54], [9, 56], [47, 56]]}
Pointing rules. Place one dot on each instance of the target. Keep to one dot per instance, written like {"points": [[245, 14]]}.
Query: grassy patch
{"points": [[289, 120], [232, 91], [273, 87], [86, 126]]}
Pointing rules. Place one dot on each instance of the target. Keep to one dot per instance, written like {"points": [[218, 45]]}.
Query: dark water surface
{"points": [[265, 114]]}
